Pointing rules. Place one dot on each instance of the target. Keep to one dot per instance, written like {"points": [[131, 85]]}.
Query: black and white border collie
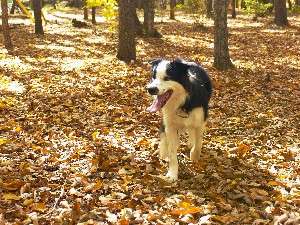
{"points": [[181, 91]]}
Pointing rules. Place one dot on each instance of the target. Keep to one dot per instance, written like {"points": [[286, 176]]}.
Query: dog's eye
{"points": [[166, 78]]}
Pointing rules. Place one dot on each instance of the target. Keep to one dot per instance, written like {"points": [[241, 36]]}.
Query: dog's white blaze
{"points": [[161, 69]]}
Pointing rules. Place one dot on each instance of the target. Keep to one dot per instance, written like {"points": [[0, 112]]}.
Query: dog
{"points": [[182, 91]]}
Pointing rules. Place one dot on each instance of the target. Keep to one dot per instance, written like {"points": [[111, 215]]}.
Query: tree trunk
{"points": [[37, 10], [13, 7], [221, 52], [85, 10], [233, 12], [5, 27], [172, 9], [149, 19], [209, 9], [126, 44], [243, 4], [93, 15], [297, 2], [280, 13], [138, 27], [85, 13]]}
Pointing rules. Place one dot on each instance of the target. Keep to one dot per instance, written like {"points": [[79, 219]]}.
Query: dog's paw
{"points": [[194, 155], [164, 157], [171, 177]]}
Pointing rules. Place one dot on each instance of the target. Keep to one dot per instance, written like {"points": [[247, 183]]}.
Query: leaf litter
{"points": [[77, 145]]}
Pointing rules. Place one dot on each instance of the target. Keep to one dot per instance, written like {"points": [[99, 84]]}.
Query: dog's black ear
{"points": [[180, 66], [155, 62]]}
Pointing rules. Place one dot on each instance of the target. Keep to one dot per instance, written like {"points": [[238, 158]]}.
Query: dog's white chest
{"points": [[181, 119]]}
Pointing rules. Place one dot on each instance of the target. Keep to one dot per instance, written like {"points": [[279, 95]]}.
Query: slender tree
{"points": [[172, 9], [221, 52], [5, 27], [233, 11], [126, 43], [138, 27], [85, 10], [149, 19], [37, 10], [209, 9], [280, 13], [93, 15], [12, 9], [85, 13]]}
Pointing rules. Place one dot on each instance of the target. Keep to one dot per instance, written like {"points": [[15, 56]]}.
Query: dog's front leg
{"points": [[173, 143], [163, 144]]}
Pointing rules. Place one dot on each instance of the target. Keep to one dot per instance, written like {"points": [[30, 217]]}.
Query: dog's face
{"points": [[169, 81]]}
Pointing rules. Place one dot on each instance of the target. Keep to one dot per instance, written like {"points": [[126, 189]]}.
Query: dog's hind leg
{"points": [[196, 149], [191, 137]]}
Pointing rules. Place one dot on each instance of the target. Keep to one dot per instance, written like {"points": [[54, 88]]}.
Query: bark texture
{"points": [[37, 10], [5, 27], [172, 9], [280, 13], [149, 19], [13, 7], [233, 11], [93, 15], [138, 27], [126, 44], [221, 52], [209, 9], [85, 13]]}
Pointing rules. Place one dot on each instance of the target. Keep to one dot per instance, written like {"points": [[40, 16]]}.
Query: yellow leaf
{"points": [[40, 207], [3, 141], [28, 202], [11, 196], [191, 210], [95, 135], [17, 129], [184, 205]]}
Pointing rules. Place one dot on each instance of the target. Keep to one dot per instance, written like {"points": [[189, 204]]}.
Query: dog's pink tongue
{"points": [[156, 105]]}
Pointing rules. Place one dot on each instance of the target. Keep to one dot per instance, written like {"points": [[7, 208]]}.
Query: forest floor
{"points": [[76, 144]]}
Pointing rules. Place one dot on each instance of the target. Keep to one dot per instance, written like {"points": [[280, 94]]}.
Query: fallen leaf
{"points": [[11, 196], [40, 207], [243, 149], [191, 210]]}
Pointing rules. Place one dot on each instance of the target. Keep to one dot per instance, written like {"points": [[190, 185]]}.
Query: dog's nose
{"points": [[152, 90]]}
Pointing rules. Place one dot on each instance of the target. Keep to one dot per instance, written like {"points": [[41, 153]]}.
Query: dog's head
{"points": [[169, 83]]}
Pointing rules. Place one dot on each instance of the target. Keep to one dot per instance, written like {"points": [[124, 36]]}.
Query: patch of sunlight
{"points": [[281, 31], [62, 32], [93, 39], [56, 47], [246, 64], [244, 25], [15, 64], [291, 61], [192, 42], [69, 64]]}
